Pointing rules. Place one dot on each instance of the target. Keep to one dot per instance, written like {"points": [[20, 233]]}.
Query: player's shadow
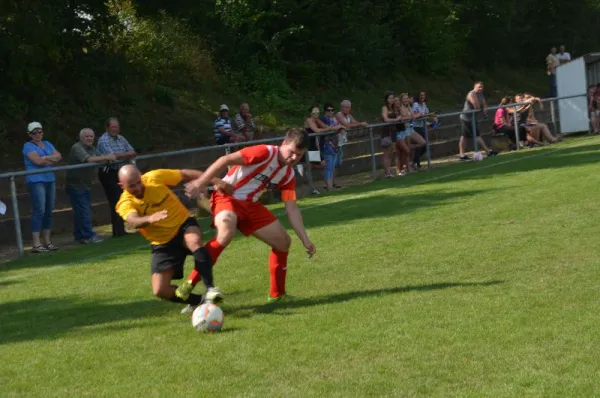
{"points": [[248, 311], [48, 318]]}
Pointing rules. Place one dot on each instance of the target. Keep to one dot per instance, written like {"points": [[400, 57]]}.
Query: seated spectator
{"points": [[522, 113], [313, 124], [534, 126], [245, 125], [40, 154], [403, 132], [388, 133], [420, 109], [345, 118], [593, 109], [79, 185], [223, 131], [503, 125]]}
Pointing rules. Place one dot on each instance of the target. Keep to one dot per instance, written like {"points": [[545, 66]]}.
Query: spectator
{"points": [[313, 124], [473, 101], [245, 125], [403, 131], [593, 109], [112, 142], [563, 56], [223, 131], [388, 133], [534, 126], [503, 125], [345, 118], [79, 185], [552, 63], [40, 154], [330, 148], [421, 109]]}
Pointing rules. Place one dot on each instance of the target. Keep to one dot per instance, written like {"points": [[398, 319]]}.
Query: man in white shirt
{"points": [[563, 56]]}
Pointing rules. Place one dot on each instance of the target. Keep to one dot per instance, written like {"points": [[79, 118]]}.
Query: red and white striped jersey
{"points": [[261, 171]]}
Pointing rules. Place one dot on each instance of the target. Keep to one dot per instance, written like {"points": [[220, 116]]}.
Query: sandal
{"points": [[39, 249], [51, 247]]}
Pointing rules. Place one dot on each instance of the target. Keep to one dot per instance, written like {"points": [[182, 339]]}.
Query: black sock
{"points": [[203, 265]]}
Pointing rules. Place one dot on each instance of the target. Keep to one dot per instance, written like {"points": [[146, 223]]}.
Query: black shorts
{"points": [[171, 255], [467, 128]]}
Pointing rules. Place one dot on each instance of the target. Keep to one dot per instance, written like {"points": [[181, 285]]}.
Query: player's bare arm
{"points": [[194, 188], [134, 220], [220, 185], [295, 217]]}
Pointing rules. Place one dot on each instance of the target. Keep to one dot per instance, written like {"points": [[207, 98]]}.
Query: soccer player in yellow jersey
{"points": [[148, 204]]}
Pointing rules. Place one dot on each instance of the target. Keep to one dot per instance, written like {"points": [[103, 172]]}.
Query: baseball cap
{"points": [[32, 126], [224, 108]]}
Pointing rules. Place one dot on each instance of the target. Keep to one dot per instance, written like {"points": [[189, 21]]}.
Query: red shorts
{"points": [[252, 216]]}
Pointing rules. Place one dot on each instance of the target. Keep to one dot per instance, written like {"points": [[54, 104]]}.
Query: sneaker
{"points": [[389, 175], [463, 158], [51, 247], [213, 295], [492, 153], [184, 290], [316, 192], [96, 239], [281, 299], [39, 249], [188, 309]]}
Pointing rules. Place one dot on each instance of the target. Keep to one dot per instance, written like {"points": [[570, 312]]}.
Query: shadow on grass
{"points": [[248, 311], [49, 318], [80, 255]]}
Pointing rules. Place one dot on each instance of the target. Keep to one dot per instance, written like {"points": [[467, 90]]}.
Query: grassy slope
{"points": [[472, 280]]}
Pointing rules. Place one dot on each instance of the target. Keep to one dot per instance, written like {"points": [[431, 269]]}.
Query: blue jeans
{"points": [[81, 203], [42, 198], [338, 159], [330, 160]]}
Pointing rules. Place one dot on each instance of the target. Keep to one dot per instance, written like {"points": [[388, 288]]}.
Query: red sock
{"points": [[214, 250], [278, 270]]}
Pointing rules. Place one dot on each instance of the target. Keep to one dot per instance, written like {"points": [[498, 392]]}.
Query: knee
{"points": [[284, 244]]}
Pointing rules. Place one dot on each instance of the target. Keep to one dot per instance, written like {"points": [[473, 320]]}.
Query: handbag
{"points": [[314, 156]]}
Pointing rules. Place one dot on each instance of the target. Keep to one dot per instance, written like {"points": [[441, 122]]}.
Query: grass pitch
{"points": [[477, 279]]}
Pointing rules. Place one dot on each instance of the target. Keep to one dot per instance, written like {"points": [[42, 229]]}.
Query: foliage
{"points": [[168, 63]]}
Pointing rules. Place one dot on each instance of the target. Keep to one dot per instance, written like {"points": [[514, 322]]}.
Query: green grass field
{"points": [[476, 279]]}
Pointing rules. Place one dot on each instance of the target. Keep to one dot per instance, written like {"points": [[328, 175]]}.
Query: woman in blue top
{"points": [[40, 154]]}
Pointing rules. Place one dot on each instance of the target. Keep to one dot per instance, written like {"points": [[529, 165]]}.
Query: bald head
{"points": [[130, 180]]}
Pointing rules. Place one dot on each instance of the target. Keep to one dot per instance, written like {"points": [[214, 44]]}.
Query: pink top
{"points": [[499, 118]]}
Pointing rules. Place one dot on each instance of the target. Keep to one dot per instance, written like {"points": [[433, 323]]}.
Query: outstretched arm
{"points": [[295, 217], [197, 185]]}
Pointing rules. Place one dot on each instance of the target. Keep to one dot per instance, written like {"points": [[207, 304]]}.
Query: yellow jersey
{"points": [[157, 197]]}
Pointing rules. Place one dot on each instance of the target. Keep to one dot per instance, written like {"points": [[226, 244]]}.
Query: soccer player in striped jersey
{"points": [[252, 171]]}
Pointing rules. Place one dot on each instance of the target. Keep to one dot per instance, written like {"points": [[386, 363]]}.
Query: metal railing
{"points": [[227, 147]]}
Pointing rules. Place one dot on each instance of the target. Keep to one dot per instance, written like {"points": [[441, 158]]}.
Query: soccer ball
{"points": [[208, 318], [477, 157]]}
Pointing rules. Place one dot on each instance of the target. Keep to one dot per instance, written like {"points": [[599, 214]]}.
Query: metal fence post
{"points": [[428, 151], [16, 215], [517, 135], [553, 116], [373, 160], [474, 127], [309, 178]]}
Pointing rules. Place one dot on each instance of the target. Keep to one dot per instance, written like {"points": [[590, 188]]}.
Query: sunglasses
{"points": [[35, 132], [329, 110], [315, 112]]}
